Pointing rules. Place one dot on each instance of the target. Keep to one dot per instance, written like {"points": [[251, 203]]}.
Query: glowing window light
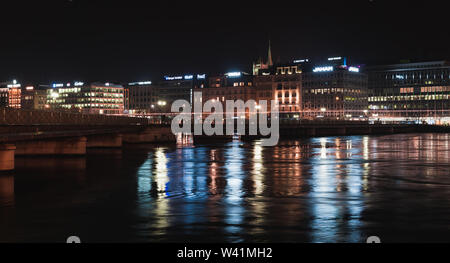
{"points": [[29, 88], [323, 69]]}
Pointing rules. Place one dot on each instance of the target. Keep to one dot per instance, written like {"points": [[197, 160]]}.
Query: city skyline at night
{"points": [[233, 131]]}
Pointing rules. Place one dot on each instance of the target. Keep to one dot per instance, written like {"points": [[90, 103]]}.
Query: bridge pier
{"points": [[104, 141], [7, 152], [71, 146]]}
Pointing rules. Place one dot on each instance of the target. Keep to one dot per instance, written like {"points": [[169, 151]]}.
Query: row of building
{"points": [[332, 88]]}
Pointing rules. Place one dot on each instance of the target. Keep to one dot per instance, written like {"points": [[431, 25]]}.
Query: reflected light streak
{"points": [[258, 168], [323, 149], [234, 208]]}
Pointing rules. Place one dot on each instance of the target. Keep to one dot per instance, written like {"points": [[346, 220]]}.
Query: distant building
{"points": [[282, 83], [329, 89], [231, 86], [260, 65], [34, 97], [95, 98], [410, 90], [142, 97], [10, 94], [333, 89], [174, 88]]}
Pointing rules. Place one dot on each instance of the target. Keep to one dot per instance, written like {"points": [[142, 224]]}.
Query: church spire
{"points": [[269, 56]]}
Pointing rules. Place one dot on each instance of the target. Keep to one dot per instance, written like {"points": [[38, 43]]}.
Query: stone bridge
{"points": [[30, 132]]}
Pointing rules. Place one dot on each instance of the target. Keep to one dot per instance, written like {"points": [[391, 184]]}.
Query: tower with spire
{"points": [[259, 65], [269, 56]]}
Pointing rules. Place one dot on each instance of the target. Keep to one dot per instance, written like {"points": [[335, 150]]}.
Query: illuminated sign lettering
{"points": [[301, 60], [189, 77], [353, 69], [233, 74], [203, 76], [140, 83], [57, 85], [335, 58], [323, 69], [173, 78], [77, 84]]}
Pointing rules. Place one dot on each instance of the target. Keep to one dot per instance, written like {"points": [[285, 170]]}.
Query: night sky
{"points": [[122, 41]]}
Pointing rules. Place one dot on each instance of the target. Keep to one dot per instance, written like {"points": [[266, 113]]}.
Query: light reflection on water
{"points": [[330, 189]]}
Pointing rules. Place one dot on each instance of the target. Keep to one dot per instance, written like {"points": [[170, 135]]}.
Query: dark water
{"points": [[334, 189]]}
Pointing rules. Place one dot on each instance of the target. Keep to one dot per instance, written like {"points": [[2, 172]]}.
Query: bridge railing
{"points": [[9, 116]]}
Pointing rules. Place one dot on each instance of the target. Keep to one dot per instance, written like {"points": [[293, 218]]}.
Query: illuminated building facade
{"points": [[329, 89], [34, 97], [231, 86], [10, 94], [334, 90], [410, 90], [142, 97], [282, 83], [95, 98], [174, 88]]}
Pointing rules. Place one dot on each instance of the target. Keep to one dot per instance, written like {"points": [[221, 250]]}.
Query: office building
{"points": [[95, 98], [334, 90], [142, 97], [173, 88], [230, 86], [34, 97], [410, 91]]}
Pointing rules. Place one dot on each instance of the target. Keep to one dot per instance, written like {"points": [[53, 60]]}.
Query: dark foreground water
{"points": [[333, 189]]}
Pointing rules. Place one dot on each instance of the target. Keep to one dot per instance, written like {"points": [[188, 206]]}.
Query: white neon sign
{"points": [[140, 83], [233, 74], [301, 60], [173, 78], [353, 69], [323, 69]]}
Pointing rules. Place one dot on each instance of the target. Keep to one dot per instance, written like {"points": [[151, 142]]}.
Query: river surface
{"points": [[330, 189]]}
